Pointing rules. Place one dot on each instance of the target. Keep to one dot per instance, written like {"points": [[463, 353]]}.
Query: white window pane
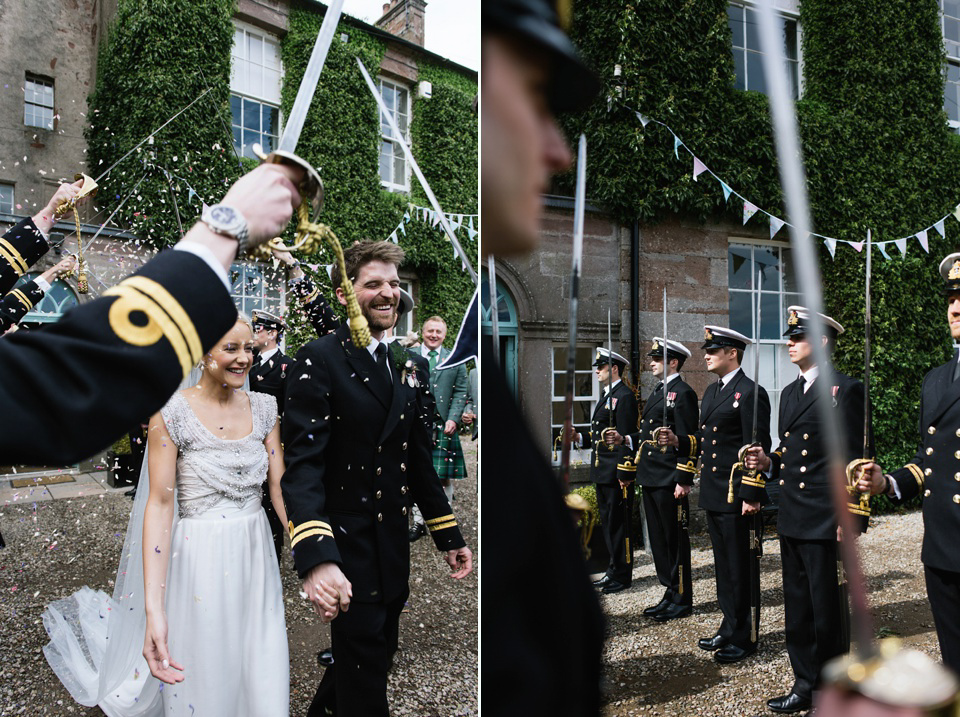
{"points": [[389, 97], [255, 80], [238, 44], [386, 157], [254, 49], [6, 198], [271, 85], [238, 76], [399, 167], [271, 54]]}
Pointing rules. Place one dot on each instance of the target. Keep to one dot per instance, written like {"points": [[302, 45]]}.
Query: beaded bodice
{"points": [[211, 469]]}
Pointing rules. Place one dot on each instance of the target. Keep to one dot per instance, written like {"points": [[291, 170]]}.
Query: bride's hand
{"points": [[162, 666], [328, 589]]}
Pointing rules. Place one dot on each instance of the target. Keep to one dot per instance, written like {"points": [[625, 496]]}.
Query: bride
{"points": [[209, 608]]}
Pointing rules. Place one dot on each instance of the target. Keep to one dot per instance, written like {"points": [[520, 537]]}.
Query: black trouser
{"points": [[669, 542], [943, 590], [277, 529], [812, 608], [730, 536], [614, 509], [365, 639]]}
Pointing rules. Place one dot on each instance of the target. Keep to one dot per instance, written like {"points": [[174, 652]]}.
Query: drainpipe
{"points": [[635, 300]]}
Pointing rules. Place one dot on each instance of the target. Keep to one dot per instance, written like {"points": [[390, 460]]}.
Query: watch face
{"points": [[222, 215]]}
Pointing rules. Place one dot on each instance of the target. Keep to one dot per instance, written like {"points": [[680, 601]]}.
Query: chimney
{"points": [[404, 18]]}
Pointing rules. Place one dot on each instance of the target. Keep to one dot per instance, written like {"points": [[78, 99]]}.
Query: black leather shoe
{"points": [[613, 586], [417, 531], [132, 493], [731, 653], [712, 643], [654, 609], [325, 657], [601, 581], [672, 612], [788, 704]]}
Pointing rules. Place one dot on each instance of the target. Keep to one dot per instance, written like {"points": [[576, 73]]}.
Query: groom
{"points": [[357, 454]]}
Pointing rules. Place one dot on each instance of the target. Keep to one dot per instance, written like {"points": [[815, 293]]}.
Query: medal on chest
{"points": [[736, 400], [833, 392], [671, 399]]}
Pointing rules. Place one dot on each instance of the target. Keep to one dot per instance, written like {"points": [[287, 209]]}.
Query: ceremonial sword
{"points": [[756, 526], [609, 394], [579, 199]]}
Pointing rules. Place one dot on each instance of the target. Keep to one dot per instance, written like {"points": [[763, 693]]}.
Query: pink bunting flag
{"points": [[858, 245], [749, 209], [698, 168], [922, 238], [776, 224]]}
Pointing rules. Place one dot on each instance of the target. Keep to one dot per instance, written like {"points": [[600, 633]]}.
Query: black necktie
{"points": [[803, 384], [659, 387], [381, 352]]}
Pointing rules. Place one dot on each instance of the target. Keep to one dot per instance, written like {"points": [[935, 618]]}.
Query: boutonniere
{"points": [[409, 374], [736, 400], [399, 355], [834, 391]]}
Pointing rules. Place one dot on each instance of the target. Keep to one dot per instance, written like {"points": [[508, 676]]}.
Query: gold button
{"points": [[380, 517], [703, 427], [806, 436], [926, 493], [402, 467], [781, 481], [714, 429], [403, 490], [404, 446], [803, 485], [787, 434], [931, 430], [379, 449], [956, 476], [956, 454], [714, 455], [379, 494], [784, 449], [930, 451], [714, 469], [958, 433], [378, 471], [928, 471], [803, 452], [956, 498], [803, 469], [714, 441], [404, 511]]}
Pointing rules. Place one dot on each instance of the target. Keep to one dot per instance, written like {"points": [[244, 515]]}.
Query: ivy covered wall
{"points": [[163, 54], [877, 149]]}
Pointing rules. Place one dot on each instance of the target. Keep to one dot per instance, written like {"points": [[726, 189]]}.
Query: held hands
{"points": [[162, 666], [47, 217], [756, 459], [871, 479], [65, 265], [449, 428], [460, 561], [467, 418], [327, 588], [266, 197], [666, 437]]}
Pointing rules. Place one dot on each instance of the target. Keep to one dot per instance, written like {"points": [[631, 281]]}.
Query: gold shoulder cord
{"points": [[87, 189]]}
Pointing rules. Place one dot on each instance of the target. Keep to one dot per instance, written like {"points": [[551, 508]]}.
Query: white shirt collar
{"points": [[671, 377], [267, 355], [729, 377], [810, 375], [425, 352], [372, 347], [612, 386]]}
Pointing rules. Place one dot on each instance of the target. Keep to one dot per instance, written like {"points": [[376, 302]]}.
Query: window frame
{"points": [[790, 13], [42, 81], [578, 456], [262, 99], [271, 294], [13, 197], [391, 185], [950, 60]]}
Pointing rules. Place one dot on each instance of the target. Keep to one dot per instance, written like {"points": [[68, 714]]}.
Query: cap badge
{"points": [[707, 335], [954, 272], [656, 345], [794, 319]]}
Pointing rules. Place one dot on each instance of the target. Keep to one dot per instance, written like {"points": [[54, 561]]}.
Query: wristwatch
{"points": [[229, 222]]}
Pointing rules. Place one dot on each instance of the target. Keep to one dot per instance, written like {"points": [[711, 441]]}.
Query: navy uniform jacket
{"points": [[800, 464], [623, 404], [270, 376], [726, 425], [654, 468], [107, 364], [934, 472], [17, 303], [356, 451]]}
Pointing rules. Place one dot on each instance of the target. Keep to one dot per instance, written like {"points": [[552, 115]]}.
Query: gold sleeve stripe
{"points": [[917, 474], [13, 257], [22, 298], [313, 295], [687, 467], [310, 524], [442, 519], [308, 533], [627, 467], [754, 483], [158, 323], [442, 526], [169, 304], [693, 445]]}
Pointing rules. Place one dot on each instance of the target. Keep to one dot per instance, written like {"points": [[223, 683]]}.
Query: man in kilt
{"points": [[449, 389]]}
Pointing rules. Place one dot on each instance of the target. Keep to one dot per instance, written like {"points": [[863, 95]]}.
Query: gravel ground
{"points": [[657, 669], [53, 548]]}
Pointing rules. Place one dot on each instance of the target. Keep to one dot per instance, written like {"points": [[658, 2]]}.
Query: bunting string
{"points": [[749, 209], [457, 222]]}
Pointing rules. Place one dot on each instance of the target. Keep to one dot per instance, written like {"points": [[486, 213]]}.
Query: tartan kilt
{"points": [[448, 456]]}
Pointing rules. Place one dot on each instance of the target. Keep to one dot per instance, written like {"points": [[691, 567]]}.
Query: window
{"points": [[747, 53], [777, 291], [393, 165], [406, 324], [254, 90], [950, 18], [586, 393], [59, 297], [255, 286], [508, 327], [6, 198], [38, 102]]}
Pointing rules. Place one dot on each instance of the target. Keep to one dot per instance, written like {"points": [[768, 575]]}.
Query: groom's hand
{"points": [[328, 589], [460, 562]]}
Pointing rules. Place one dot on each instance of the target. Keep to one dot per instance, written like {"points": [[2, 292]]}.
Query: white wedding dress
{"points": [[223, 604]]}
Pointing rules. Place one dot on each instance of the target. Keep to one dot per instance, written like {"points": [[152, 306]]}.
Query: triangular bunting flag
{"points": [[406, 217], [698, 168], [676, 148], [901, 245], [402, 228], [939, 227], [643, 119], [831, 247], [472, 232], [857, 245], [883, 250], [393, 237], [922, 238], [749, 209], [436, 218], [726, 191], [776, 224], [956, 213]]}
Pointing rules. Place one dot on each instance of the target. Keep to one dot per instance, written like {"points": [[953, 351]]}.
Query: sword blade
{"points": [[311, 76], [609, 369], [579, 199], [756, 359], [866, 358], [666, 360]]}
